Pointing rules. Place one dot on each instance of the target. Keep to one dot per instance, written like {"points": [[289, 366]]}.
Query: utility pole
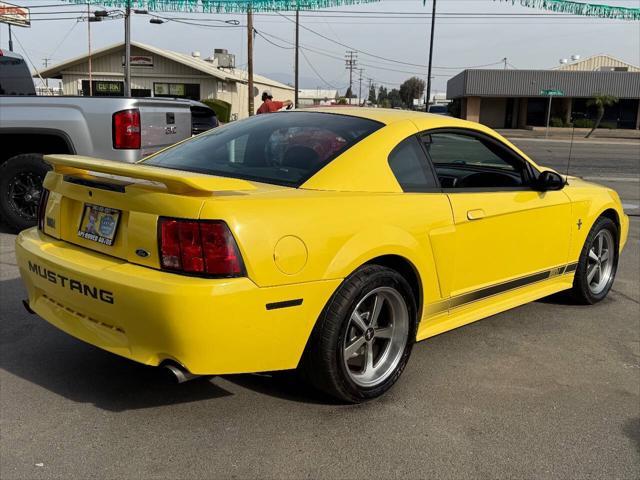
{"points": [[89, 48], [10, 38], [45, 63], [250, 58], [127, 49], [371, 85], [505, 62], [433, 26], [360, 87], [351, 60], [297, 81]]}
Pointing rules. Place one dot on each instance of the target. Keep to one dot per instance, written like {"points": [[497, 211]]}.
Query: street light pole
{"points": [[127, 49], [10, 38], [433, 26]]}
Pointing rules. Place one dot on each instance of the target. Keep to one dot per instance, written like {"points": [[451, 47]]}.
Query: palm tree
{"points": [[600, 101]]}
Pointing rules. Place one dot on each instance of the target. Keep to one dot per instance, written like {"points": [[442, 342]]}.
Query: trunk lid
{"points": [[94, 202]]}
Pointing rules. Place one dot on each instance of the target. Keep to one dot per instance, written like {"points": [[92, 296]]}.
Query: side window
{"points": [[467, 161], [408, 163]]}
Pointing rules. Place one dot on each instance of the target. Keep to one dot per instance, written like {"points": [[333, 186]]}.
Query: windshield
{"points": [[282, 148]]}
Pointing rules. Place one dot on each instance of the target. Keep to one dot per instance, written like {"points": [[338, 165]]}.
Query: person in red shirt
{"points": [[269, 105]]}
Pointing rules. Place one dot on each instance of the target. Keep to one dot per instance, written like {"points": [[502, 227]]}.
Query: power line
{"points": [[378, 56], [304, 55]]}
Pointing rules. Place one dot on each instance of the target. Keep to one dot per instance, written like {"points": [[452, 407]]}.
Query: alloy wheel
{"points": [[376, 337], [24, 191], [600, 261]]}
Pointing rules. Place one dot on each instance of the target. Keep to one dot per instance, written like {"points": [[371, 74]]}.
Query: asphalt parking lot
{"points": [[549, 389]]}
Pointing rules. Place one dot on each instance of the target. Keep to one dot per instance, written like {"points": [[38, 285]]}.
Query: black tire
{"points": [[27, 168], [581, 292], [322, 365]]}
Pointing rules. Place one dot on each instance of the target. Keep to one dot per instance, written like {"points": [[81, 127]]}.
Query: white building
{"points": [[308, 97], [156, 72]]}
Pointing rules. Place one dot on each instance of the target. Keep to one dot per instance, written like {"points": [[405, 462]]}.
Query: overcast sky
{"points": [[527, 42]]}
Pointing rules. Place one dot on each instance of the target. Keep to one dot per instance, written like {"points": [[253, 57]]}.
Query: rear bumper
{"points": [[209, 326]]}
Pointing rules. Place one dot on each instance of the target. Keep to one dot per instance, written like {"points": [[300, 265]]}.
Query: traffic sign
{"points": [[552, 93]]}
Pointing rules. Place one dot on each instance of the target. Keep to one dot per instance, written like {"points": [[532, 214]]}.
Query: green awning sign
{"points": [[552, 93]]}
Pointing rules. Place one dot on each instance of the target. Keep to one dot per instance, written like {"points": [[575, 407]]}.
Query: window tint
{"points": [[458, 149], [468, 161], [282, 148], [408, 163], [299, 145]]}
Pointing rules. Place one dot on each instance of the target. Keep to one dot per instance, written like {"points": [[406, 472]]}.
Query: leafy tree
{"points": [[412, 89], [372, 95], [600, 101], [382, 95], [349, 93], [396, 99]]}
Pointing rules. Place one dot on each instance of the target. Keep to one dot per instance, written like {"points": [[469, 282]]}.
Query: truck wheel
{"points": [[20, 189], [363, 338]]}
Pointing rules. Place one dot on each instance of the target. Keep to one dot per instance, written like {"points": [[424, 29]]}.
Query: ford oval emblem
{"points": [[142, 253]]}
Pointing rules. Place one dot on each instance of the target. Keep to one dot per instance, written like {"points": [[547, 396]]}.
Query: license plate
{"points": [[99, 224]]}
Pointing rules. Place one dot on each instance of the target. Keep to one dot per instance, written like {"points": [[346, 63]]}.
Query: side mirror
{"points": [[549, 180]]}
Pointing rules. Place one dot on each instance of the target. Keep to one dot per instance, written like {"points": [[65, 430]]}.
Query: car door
{"points": [[507, 234]]}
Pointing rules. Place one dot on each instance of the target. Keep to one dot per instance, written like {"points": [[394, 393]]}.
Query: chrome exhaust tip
{"points": [[25, 304], [180, 374]]}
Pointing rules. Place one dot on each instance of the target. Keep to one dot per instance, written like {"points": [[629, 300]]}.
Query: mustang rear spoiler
{"points": [[176, 181]]}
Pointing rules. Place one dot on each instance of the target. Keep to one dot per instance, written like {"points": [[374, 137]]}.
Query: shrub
{"points": [[556, 122], [222, 108], [583, 123]]}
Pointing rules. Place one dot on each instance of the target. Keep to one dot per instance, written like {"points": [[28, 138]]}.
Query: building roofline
{"points": [[586, 59], [184, 59]]}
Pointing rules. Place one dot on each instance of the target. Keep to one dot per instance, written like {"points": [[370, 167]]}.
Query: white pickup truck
{"points": [[114, 128]]}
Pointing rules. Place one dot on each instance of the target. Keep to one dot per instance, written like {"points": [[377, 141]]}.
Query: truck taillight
{"points": [[42, 208], [200, 247], [126, 129]]}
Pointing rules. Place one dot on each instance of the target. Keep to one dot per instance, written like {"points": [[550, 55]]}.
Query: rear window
{"points": [[281, 148], [15, 78]]}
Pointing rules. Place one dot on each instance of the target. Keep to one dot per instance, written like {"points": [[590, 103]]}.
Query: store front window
{"points": [[103, 88], [177, 90]]}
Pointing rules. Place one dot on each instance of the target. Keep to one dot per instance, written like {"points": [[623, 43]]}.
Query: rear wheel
{"points": [[363, 338], [21, 180], [598, 263]]}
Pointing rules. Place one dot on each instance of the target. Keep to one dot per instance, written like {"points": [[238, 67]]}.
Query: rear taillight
{"points": [[42, 208], [201, 247], [126, 129]]}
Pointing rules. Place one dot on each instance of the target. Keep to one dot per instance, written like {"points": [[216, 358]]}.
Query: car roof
{"points": [[389, 116]]}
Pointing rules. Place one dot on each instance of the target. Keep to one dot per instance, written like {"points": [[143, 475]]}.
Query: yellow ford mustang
{"points": [[324, 240]]}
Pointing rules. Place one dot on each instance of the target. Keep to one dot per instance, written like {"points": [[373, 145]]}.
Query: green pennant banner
{"points": [[581, 8], [223, 6]]}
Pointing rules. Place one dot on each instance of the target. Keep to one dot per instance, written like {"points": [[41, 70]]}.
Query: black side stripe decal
{"points": [[486, 292]]}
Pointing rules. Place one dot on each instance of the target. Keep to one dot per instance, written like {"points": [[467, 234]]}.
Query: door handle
{"points": [[475, 214]]}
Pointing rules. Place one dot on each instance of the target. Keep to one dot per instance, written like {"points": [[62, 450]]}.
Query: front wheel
{"points": [[364, 336], [598, 263]]}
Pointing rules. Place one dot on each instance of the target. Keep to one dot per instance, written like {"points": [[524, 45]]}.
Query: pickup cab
{"points": [[114, 128]]}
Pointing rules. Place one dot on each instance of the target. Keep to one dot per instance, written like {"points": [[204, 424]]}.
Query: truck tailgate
{"points": [[162, 124]]}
